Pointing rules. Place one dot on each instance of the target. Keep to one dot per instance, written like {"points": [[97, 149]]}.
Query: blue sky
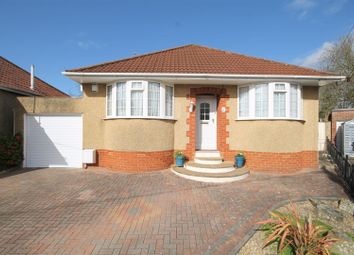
{"points": [[56, 35]]}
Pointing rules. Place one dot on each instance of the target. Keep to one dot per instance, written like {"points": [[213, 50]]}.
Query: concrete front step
{"points": [[209, 160], [222, 167], [207, 154], [235, 175]]}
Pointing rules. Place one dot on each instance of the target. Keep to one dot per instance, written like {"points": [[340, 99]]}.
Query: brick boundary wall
{"points": [[128, 161], [340, 115]]}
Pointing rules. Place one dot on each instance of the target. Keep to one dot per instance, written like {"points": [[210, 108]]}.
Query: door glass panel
{"points": [[204, 111]]}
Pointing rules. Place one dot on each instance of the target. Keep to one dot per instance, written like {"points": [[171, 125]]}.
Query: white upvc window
{"points": [[139, 99], [261, 97], [121, 99], [279, 100], [153, 99], [136, 98], [169, 101], [244, 102], [274, 100], [109, 100]]}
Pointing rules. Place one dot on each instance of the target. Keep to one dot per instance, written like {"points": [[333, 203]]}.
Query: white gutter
{"points": [[206, 76], [18, 91]]}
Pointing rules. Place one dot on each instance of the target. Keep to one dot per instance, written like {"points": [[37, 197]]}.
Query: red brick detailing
{"points": [[278, 162], [222, 120], [128, 161], [340, 115]]}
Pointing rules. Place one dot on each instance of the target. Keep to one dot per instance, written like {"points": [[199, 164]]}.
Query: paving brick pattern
{"points": [[71, 211]]}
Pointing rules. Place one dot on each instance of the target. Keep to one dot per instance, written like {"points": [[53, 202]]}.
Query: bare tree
{"points": [[339, 59]]}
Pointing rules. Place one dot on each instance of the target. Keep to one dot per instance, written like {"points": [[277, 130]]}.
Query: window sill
{"points": [[271, 119], [133, 117]]}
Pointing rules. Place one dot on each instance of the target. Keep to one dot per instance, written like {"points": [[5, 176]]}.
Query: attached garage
{"points": [[53, 140]]}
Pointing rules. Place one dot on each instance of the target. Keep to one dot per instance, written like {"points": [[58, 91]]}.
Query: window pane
{"points": [[243, 104], [168, 101], [121, 99], [109, 100], [293, 101], [137, 85], [279, 104], [262, 100], [279, 86], [136, 103], [153, 99], [204, 111]]}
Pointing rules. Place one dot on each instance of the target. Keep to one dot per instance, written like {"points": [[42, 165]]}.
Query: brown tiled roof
{"points": [[15, 78], [198, 59]]}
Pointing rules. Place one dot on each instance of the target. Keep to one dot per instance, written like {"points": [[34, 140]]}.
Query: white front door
{"points": [[206, 123]]}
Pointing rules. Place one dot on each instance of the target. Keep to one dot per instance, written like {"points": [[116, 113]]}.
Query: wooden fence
{"points": [[345, 166]]}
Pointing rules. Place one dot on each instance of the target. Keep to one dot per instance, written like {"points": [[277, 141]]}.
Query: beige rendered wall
{"points": [[99, 133], [257, 135]]}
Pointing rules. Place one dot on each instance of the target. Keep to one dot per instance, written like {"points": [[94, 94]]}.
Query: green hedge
{"points": [[11, 150]]}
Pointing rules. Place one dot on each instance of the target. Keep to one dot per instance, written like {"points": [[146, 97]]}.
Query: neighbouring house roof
{"points": [[16, 79], [195, 59]]}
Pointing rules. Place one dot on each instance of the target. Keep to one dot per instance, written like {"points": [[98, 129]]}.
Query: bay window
{"points": [[275, 100], [139, 99]]}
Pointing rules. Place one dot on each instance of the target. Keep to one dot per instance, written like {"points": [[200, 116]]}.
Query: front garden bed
{"points": [[337, 214], [11, 151]]}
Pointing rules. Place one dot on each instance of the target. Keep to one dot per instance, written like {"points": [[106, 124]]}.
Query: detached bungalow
{"points": [[136, 112]]}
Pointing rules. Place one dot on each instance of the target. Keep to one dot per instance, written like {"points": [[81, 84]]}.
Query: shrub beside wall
{"points": [[11, 150]]}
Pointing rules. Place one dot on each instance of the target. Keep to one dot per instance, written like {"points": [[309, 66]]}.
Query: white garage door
{"points": [[53, 141]]}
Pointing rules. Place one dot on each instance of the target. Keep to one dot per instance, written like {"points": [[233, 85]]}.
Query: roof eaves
{"points": [[17, 91]]}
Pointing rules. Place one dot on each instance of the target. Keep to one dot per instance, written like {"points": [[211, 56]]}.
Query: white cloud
{"points": [[302, 6], [328, 7], [85, 45], [334, 6], [314, 59]]}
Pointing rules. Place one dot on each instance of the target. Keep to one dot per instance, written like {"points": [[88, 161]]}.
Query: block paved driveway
{"points": [[72, 211]]}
